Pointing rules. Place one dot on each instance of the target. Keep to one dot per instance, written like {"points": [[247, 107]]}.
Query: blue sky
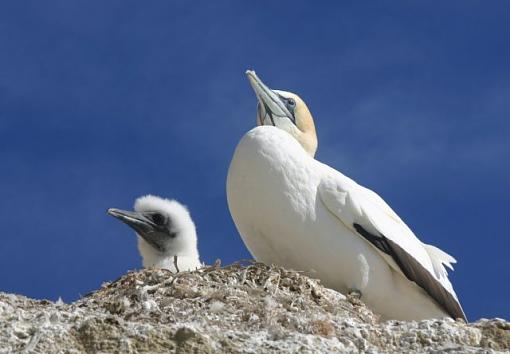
{"points": [[101, 102]]}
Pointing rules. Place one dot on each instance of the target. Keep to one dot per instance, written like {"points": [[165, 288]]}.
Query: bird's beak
{"points": [[137, 221], [268, 99]]}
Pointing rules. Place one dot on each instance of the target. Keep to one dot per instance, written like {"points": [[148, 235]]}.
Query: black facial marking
{"points": [[158, 219], [269, 113], [291, 110], [290, 103]]}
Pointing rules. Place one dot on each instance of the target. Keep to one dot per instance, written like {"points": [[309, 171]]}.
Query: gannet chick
{"points": [[295, 211], [166, 233]]}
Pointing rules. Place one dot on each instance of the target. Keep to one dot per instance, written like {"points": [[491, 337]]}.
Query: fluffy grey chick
{"points": [[166, 233]]}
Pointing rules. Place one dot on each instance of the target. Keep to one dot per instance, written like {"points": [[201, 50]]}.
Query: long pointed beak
{"points": [[267, 97], [137, 221]]}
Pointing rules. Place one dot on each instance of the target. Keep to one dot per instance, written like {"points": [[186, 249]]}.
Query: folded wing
{"points": [[368, 216]]}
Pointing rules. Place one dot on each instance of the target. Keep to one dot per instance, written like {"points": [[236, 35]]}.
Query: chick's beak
{"points": [[137, 221]]}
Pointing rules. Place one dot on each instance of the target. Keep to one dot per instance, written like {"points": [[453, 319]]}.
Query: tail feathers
{"points": [[440, 258]]}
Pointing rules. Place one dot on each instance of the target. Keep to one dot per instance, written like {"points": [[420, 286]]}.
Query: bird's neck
{"points": [[308, 141], [154, 258], [174, 263]]}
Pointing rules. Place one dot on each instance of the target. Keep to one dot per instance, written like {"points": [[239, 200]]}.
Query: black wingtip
{"points": [[415, 272]]}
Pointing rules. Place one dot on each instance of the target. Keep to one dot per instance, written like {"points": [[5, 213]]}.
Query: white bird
{"points": [[295, 211], [166, 233]]}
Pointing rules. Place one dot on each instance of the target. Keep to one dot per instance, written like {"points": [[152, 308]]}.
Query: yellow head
{"points": [[284, 110]]}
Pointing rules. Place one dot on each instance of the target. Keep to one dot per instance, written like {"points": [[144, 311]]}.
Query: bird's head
{"points": [[164, 226], [284, 110]]}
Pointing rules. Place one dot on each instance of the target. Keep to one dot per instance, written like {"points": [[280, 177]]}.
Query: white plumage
{"points": [[293, 210]]}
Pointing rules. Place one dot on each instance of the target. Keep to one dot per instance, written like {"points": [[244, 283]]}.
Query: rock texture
{"points": [[235, 309]]}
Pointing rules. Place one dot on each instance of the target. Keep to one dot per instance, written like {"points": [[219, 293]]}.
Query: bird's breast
{"points": [[271, 192], [270, 177]]}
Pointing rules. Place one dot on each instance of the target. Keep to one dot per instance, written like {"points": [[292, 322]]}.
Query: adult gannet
{"points": [[167, 236], [295, 211]]}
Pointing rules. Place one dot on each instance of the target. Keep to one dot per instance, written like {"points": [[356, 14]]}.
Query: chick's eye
{"points": [[158, 219]]}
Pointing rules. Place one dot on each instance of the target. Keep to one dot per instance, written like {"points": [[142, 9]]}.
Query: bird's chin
{"points": [[156, 240], [150, 256], [267, 121]]}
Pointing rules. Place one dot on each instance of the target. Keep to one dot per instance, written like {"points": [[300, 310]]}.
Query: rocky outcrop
{"points": [[236, 309]]}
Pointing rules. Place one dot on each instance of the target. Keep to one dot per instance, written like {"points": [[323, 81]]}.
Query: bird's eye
{"points": [[158, 219], [291, 102]]}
